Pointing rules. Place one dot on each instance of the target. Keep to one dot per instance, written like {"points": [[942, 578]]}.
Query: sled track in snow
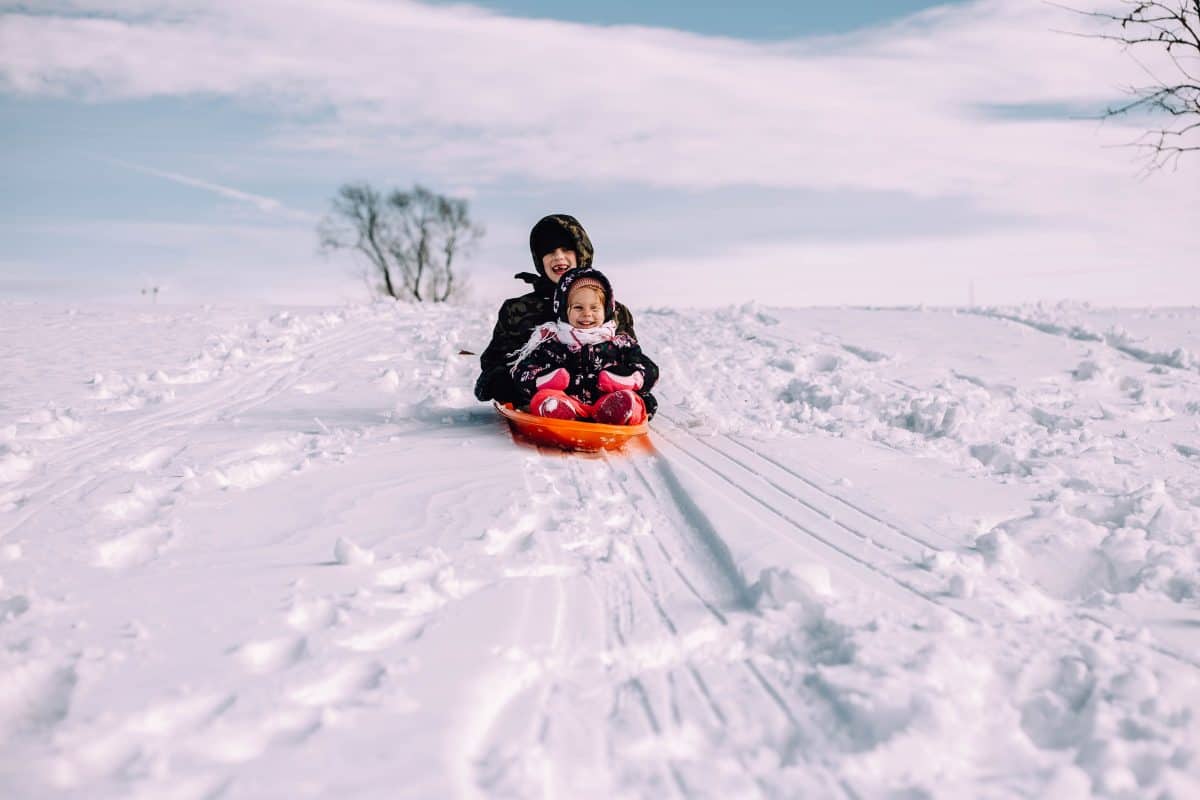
{"points": [[689, 522], [644, 580], [620, 589], [690, 585], [889, 537], [614, 587], [672, 583], [1080, 334], [1161, 649], [883, 553]]}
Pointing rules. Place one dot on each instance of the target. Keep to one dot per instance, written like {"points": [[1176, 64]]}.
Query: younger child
{"points": [[579, 366]]}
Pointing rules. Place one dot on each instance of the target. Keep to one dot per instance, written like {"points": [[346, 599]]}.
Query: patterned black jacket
{"points": [[621, 356], [520, 315]]}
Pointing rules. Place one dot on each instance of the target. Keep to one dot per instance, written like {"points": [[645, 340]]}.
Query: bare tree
{"points": [[1159, 28], [412, 240]]}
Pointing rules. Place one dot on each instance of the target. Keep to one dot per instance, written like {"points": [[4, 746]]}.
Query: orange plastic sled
{"points": [[570, 434]]}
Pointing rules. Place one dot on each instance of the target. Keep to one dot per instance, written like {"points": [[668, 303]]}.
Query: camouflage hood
{"points": [[559, 230]]}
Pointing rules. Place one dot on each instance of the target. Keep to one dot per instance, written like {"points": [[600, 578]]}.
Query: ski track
{"points": [[640, 644], [69, 474], [900, 555], [692, 524], [1177, 358], [676, 578], [686, 523], [874, 553], [221, 401], [659, 712]]}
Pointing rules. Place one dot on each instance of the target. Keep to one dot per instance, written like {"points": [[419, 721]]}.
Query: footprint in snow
{"points": [[1187, 451], [866, 354], [389, 380], [824, 362], [313, 615], [263, 464], [34, 696], [130, 744], [414, 599], [13, 607], [381, 637], [237, 741], [252, 473], [15, 463], [132, 549], [152, 460], [342, 685], [140, 502], [422, 567], [421, 597], [272, 655], [497, 541], [50, 423]]}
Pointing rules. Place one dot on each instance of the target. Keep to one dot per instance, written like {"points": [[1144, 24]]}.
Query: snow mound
{"points": [[348, 553]]}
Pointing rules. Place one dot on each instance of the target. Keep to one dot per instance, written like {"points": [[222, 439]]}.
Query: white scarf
{"points": [[573, 338]]}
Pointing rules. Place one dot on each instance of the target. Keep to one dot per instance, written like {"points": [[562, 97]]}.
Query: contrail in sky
{"points": [[266, 204]]}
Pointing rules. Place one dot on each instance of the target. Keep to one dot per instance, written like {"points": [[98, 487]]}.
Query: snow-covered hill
{"points": [[285, 554]]}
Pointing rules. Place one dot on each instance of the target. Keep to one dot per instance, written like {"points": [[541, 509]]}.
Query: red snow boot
{"points": [[620, 408], [556, 404]]}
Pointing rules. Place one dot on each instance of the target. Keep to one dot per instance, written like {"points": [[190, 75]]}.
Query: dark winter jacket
{"points": [[621, 355], [520, 315]]}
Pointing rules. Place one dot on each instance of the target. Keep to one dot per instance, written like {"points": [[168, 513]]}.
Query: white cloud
{"points": [[487, 96], [468, 97]]}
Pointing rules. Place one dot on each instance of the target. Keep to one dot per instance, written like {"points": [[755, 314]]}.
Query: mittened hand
{"points": [[556, 380], [611, 382]]}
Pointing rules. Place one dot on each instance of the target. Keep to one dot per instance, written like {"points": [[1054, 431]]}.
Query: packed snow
{"points": [[284, 553]]}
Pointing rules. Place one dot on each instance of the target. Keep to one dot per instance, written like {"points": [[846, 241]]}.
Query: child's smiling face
{"points": [[557, 262], [585, 308]]}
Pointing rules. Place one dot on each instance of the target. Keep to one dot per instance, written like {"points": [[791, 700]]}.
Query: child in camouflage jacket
{"points": [[557, 244]]}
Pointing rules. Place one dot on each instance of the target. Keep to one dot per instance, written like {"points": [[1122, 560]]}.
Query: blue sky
{"points": [[883, 153], [750, 19]]}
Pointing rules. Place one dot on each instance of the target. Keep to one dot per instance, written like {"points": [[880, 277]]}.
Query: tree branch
{"points": [[417, 234], [1171, 27]]}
